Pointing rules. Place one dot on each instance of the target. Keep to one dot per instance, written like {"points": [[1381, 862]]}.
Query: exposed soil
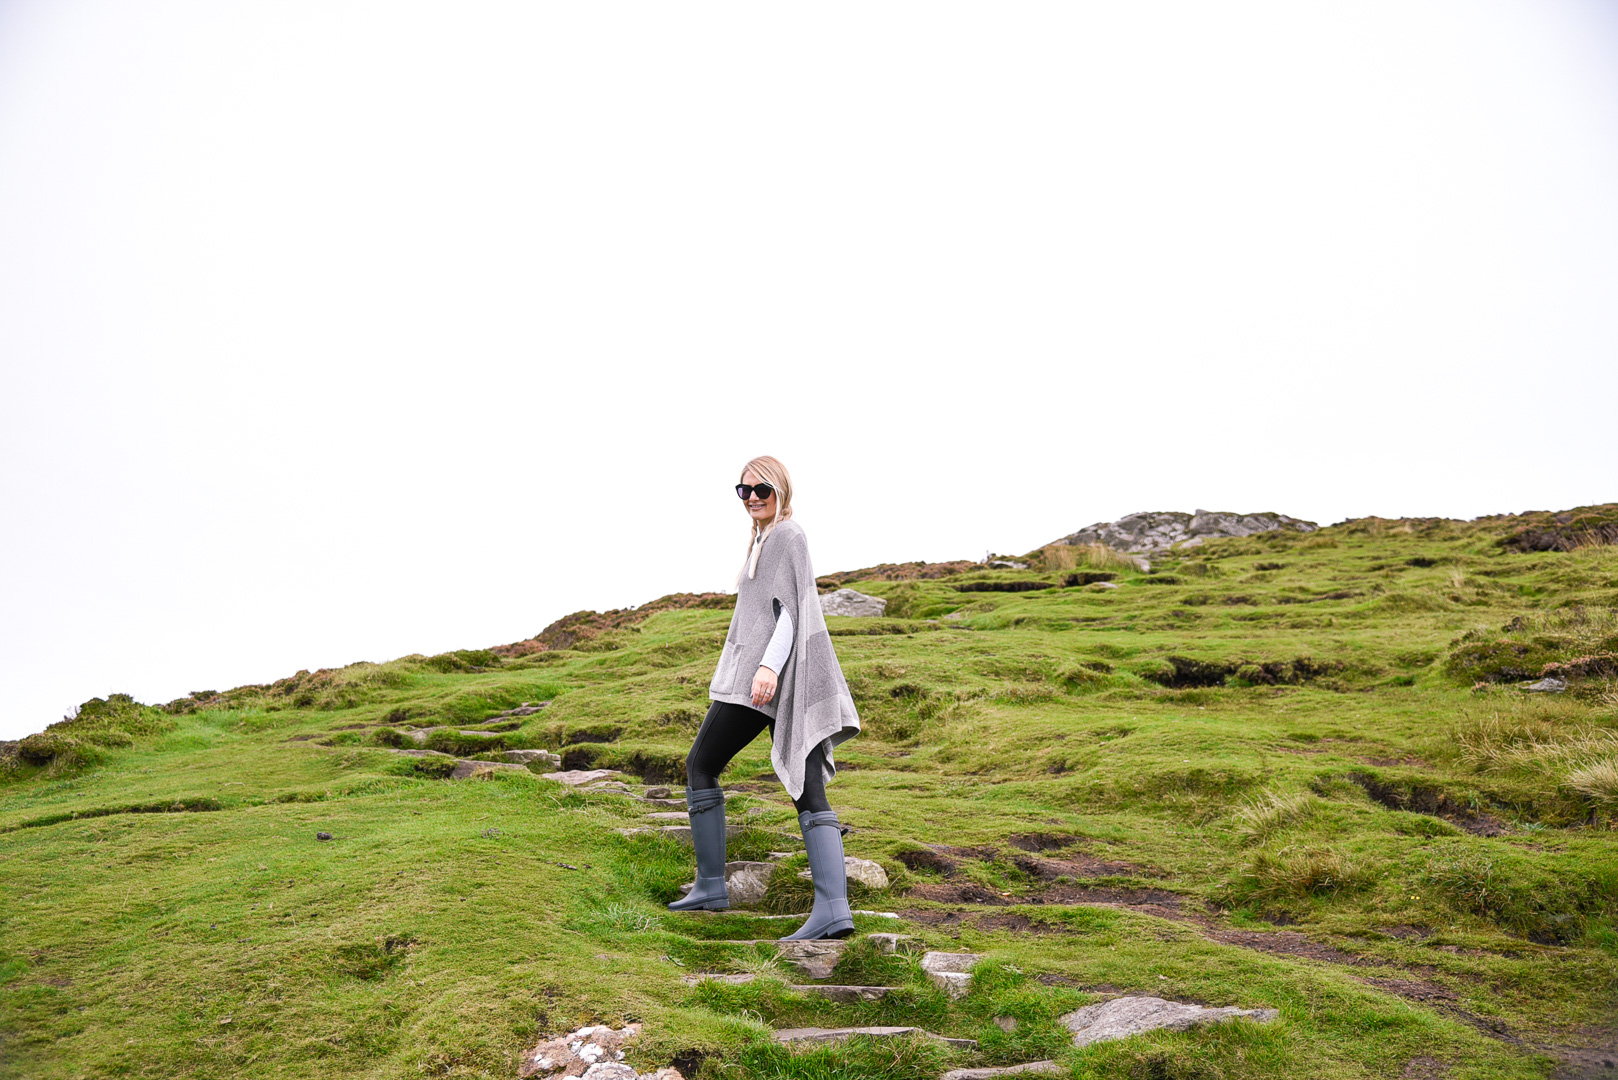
{"points": [[1051, 869], [1429, 799], [1042, 841], [1424, 1068], [1286, 943], [942, 893]]}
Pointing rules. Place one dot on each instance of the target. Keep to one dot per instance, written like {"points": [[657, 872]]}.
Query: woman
{"points": [[777, 671]]}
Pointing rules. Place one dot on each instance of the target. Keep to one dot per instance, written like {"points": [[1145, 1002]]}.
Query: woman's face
{"points": [[762, 511]]}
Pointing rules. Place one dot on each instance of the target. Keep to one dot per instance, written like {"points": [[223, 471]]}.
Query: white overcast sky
{"points": [[339, 331]]}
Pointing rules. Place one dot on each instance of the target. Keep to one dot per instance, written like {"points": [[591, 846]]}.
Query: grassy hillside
{"points": [[1286, 771]]}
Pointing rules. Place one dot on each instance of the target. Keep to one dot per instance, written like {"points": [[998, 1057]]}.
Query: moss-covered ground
{"points": [[1288, 771]]}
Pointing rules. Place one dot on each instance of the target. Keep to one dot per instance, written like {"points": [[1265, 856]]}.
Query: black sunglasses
{"points": [[764, 491]]}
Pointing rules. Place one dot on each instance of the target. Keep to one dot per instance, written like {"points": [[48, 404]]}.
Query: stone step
{"points": [[950, 972], [893, 943], [845, 995], [1126, 1016], [1032, 1068], [821, 1036], [682, 833], [814, 958], [670, 815]]}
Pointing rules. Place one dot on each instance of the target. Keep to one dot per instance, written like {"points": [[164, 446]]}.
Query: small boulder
{"points": [[1548, 685], [847, 602], [322, 836], [575, 1053], [746, 882], [1126, 1016], [867, 873], [533, 757], [659, 791], [467, 769]]}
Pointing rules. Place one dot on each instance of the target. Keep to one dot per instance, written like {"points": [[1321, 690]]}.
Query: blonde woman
{"points": [[777, 671]]}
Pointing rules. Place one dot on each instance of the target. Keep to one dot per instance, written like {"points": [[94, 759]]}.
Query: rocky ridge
{"points": [[1152, 531]]}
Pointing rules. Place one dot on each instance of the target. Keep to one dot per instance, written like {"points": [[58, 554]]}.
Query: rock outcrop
{"points": [[849, 602], [1151, 531]]}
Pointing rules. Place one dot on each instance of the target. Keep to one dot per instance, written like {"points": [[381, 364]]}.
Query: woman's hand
{"points": [[763, 686]]}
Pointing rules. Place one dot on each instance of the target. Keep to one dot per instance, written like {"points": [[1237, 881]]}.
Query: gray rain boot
{"points": [[830, 917], [707, 812]]}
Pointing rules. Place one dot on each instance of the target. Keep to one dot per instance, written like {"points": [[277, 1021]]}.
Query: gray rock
{"points": [[660, 791], [1007, 1024], [531, 757], [821, 1036], [1126, 1016], [580, 777], [896, 943], [814, 958], [849, 602], [1548, 685], [670, 815], [466, 769], [950, 972], [746, 882], [1032, 1068], [867, 873], [1006, 564], [1157, 531]]}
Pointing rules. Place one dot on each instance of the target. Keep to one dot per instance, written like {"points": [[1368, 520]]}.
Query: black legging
{"points": [[725, 731]]}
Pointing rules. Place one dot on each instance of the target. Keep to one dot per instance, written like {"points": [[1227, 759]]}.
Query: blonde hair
{"points": [[772, 472]]}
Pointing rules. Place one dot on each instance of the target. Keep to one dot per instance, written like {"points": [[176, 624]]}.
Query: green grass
{"points": [[1286, 771]]}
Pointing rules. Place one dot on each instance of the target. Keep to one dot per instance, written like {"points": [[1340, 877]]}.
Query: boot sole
{"points": [[716, 905]]}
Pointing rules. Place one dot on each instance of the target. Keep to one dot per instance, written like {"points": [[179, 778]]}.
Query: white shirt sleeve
{"points": [[780, 646]]}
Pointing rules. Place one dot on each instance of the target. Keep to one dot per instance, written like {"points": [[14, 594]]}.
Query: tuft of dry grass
{"points": [[1597, 781], [1060, 558], [1262, 815], [1297, 874]]}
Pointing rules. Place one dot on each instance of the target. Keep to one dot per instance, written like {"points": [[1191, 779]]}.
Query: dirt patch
{"points": [[1004, 586], [1406, 933], [1040, 841], [1410, 761], [927, 859], [942, 893], [1156, 900], [1051, 869], [1287, 943], [1020, 924], [1429, 799], [1424, 1068]]}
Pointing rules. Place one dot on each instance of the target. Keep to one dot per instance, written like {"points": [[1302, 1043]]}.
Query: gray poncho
{"points": [[812, 706]]}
